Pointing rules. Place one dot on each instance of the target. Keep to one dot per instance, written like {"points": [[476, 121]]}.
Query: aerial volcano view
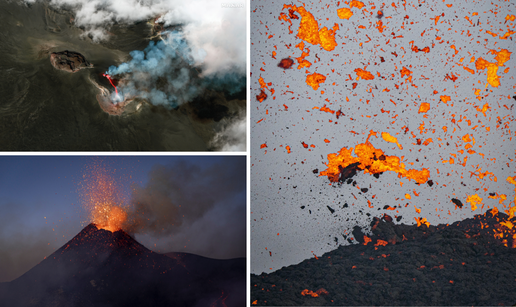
{"points": [[382, 153], [122, 75], [155, 242]]}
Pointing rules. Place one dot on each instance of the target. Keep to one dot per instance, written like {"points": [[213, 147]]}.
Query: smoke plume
{"points": [[163, 74], [187, 205]]}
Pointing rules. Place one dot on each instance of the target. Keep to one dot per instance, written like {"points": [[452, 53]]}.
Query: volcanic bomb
{"points": [[103, 268]]}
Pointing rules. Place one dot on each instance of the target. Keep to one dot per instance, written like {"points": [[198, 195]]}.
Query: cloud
{"points": [[233, 137], [217, 31]]}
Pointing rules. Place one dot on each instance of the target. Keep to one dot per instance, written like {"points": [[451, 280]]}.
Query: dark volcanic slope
{"points": [[459, 264], [103, 268]]}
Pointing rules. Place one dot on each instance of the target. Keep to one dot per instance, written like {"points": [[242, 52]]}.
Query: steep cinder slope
{"points": [[103, 268], [458, 264]]}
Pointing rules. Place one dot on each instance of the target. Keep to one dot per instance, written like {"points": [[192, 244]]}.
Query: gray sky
{"points": [[282, 233]]}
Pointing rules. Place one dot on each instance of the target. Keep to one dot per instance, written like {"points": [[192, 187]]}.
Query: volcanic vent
{"points": [[99, 267]]}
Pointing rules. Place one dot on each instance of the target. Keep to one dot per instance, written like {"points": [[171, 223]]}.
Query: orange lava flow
{"points": [[111, 81], [492, 68], [422, 221], [102, 198], [372, 161]]}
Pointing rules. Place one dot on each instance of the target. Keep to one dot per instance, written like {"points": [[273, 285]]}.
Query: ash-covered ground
{"points": [[47, 109], [459, 264]]}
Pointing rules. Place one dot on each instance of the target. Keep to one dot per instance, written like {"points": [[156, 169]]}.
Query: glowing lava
{"points": [[371, 160], [102, 198], [309, 29], [110, 81], [108, 217]]}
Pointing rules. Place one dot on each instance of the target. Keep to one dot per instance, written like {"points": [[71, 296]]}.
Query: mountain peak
{"points": [[94, 240], [99, 267]]}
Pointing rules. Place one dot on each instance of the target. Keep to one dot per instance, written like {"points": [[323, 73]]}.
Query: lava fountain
{"points": [[103, 199]]}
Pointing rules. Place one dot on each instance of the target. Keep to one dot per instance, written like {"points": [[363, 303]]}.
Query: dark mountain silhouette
{"points": [[102, 268]]}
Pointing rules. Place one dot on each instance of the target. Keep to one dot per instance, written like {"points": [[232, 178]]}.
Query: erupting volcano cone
{"points": [[103, 268]]}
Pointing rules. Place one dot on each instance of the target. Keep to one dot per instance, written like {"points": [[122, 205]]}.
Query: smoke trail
{"points": [[190, 203]]}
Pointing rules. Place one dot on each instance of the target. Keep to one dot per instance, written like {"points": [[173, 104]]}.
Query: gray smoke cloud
{"points": [[185, 205]]}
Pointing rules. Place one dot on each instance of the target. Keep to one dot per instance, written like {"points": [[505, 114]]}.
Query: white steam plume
{"points": [[233, 137], [210, 28]]}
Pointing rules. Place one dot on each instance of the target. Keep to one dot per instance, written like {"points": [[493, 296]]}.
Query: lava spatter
{"points": [[372, 161], [103, 198], [309, 29]]}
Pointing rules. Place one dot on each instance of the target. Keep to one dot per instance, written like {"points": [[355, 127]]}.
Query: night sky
{"points": [[388, 62], [42, 206]]}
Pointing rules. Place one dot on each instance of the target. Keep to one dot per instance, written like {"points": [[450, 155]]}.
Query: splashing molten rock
{"points": [[108, 217]]}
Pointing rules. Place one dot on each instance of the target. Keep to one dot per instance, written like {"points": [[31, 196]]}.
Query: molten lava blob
{"points": [[286, 63], [391, 139], [364, 74], [372, 161], [344, 13], [309, 29], [424, 107], [314, 80], [262, 96]]}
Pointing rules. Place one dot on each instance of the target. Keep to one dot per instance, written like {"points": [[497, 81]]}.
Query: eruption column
{"points": [[110, 81]]}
